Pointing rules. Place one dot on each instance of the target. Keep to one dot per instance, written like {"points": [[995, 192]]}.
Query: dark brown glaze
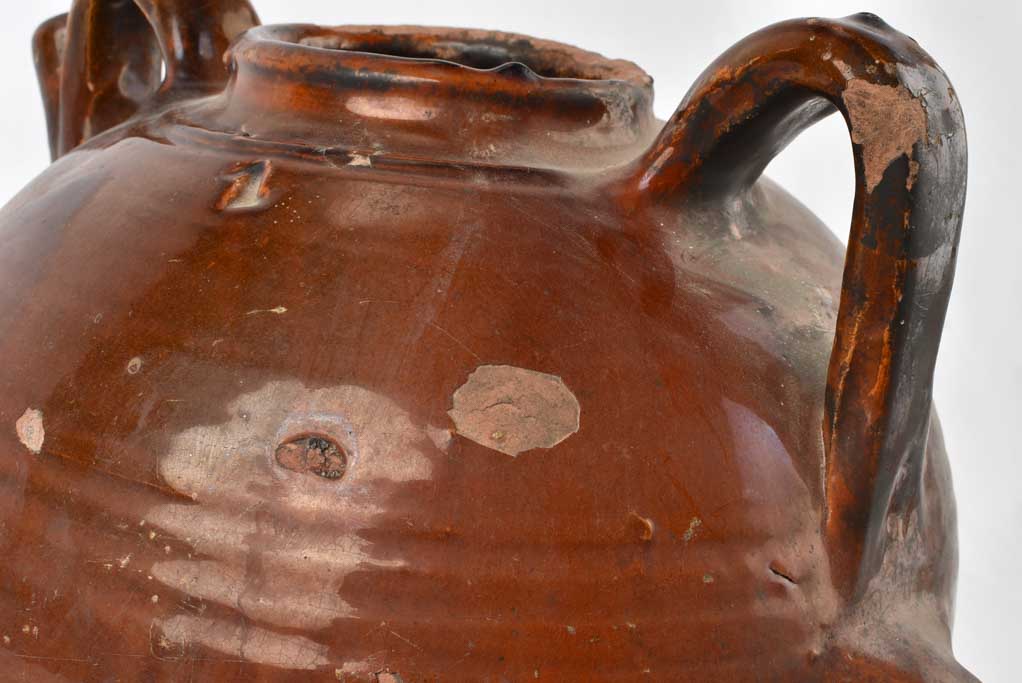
{"points": [[412, 354]]}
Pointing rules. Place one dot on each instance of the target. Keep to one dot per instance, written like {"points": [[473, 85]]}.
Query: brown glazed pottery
{"points": [[427, 354]]}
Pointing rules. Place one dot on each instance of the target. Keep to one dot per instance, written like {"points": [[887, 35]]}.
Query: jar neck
{"points": [[449, 94]]}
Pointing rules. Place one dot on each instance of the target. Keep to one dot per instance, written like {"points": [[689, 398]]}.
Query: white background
{"points": [[979, 375]]}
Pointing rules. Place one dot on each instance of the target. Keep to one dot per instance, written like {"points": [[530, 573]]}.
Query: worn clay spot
{"points": [[388, 677], [887, 121], [441, 438], [220, 473], [241, 641], [845, 69], [360, 160], [30, 430], [913, 173], [304, 604], [247, 187], [513, 410], [313, 455], [693, 526]]}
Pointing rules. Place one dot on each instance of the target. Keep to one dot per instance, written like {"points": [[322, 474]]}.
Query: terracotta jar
{"points": [[414, 354]]}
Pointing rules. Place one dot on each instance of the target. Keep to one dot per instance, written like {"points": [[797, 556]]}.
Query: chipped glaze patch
{"points": [[388, 677], [360, 160], [244, 641], [441, 438], [513, 410], [270, 545], [30, 430], [275, 603], [887, 121], [247, 187]]}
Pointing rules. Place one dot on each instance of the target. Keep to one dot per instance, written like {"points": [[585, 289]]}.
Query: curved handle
{"points": [[48, 52], [194, 36], [114, 51], [910, 163]]}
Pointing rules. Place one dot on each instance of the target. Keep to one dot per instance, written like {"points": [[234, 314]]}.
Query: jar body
{"points": [[174, 310], [392, 354]]}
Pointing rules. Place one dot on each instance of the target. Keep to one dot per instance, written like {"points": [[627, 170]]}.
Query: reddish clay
{"points": [[411, 354]]}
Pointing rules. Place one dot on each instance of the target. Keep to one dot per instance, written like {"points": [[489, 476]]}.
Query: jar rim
{"points": [[432, 51]]}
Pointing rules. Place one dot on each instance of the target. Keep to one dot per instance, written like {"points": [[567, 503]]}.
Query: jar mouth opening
{"points": [[469, 95], [472, 49]]}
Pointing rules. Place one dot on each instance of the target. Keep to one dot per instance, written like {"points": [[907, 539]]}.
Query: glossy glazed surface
{"points": [[359, 367]]}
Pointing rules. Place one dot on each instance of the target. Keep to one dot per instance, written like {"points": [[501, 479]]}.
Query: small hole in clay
{"points": [[313, 454]]}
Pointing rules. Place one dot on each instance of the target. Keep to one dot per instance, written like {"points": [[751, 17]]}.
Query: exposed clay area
{"points": [[30, 430], [887, 121], [247, 187], [388, 677], [247, 643], [513, 410]]}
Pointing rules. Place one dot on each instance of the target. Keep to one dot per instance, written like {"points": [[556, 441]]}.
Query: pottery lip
{"points": [[430, 63], [507, 100], [431, 52]]}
